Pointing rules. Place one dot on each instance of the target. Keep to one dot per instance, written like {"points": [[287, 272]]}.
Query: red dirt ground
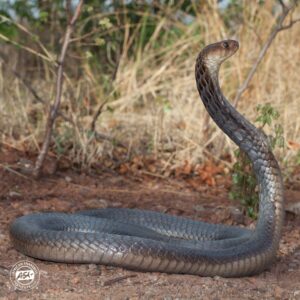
{"points": [[70, 191]]}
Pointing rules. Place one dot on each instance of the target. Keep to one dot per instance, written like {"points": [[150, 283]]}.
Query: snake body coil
{"points": [[150, 241]]}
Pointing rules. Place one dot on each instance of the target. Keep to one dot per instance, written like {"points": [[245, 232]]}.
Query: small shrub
{"points": [[244, 185]]}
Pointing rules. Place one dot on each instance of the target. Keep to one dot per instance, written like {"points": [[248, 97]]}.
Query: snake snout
{"points": [[230, 44], [226, 48], [216, 53]]}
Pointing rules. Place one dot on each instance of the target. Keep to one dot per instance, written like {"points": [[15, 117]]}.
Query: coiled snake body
{"points": [[151, 241]]}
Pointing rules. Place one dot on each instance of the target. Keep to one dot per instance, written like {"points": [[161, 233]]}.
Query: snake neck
{"points": [[253, 142]]}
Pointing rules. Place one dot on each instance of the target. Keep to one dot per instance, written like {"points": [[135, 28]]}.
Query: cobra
{"points": [[151, 241]]}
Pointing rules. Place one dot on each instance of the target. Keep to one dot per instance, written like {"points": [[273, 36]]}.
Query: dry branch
{"points": [[117, 279], [53, 112], [98, 136], [278, 27], [101, 136], [26, 83], [30, 88], [97, 114]]}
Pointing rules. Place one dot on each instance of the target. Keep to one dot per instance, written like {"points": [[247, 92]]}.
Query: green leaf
{"points": [[105, 23], [88, 54], [99, 41], [44, 16], [278, 129], [280, 142], [7, 28], [110, 109], [236, 178], [232, 195]]}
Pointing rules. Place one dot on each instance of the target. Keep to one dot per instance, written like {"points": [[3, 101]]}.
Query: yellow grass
{"points": [[154, 107]]}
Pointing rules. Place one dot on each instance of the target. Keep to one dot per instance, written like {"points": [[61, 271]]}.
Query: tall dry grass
{"points": [[153, 106]]}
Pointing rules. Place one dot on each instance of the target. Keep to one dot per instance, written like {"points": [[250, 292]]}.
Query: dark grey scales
{"points": [[150, 241]]}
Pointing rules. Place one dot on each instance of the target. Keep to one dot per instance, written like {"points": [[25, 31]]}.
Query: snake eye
{"points": [[225, 45]]}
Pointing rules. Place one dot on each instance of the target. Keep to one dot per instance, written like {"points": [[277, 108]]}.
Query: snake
{"points": [[151, 241]]}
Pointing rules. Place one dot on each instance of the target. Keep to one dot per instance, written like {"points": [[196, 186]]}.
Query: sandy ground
{"points": [[70, 191]]}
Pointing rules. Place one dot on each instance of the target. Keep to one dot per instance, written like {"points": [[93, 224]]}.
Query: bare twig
{"points": [[291, 23], [21, 27], [23, 80], [97, 114], [282, 4], [31, 89], [101, 136], [59, 82], [98, 136], [6, 39], [278, 27], [11, 170], [117, 279]]}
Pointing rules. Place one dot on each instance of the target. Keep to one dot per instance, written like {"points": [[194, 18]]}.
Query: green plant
{"points": [[244, 185]]}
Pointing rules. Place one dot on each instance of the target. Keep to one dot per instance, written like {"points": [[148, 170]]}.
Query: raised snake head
{"points": [[214, 54]]}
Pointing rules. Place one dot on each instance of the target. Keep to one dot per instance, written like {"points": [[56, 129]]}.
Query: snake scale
{"points": [[151, 241]]}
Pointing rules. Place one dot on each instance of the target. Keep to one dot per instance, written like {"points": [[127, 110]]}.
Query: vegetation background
{"points": [[129, 90], [130, 106]]}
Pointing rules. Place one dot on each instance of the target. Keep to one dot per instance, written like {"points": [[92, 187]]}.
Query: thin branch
{"points": [[290, 24], [97, 114], [117, 279], [26, 83], [9, 169], [34, 37], [34, 93], [6, 39], [59, 83], [278, 27], [282, 5], [101, 136]]}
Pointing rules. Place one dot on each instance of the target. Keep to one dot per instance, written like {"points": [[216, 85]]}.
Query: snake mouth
{"points": [[230, 44]]}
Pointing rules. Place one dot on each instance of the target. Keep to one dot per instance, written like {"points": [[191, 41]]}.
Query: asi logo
{"points": [[24, 275]]}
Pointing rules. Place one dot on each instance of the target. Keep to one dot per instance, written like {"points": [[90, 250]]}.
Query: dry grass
{"points": [[154, 107]]}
